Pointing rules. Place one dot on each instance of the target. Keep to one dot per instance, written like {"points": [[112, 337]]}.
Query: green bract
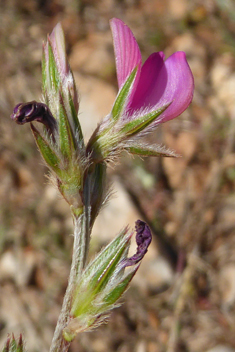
{"points": [[121, 99]]}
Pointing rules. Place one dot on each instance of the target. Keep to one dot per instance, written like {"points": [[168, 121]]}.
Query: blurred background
{"points": [[183, 297]]}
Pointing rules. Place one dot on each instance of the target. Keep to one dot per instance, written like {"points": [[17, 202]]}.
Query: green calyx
{"points": [[139, 124]]}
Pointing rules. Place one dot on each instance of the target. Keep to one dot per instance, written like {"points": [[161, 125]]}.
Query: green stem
{"points": [[80, 247], [93, 197]]}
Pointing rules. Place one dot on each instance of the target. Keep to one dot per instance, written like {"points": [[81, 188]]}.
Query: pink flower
{"points": [[149, 94], [157, 82]]}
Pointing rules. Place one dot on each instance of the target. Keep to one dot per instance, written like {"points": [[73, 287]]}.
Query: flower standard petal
{"points": [[127, 52]]}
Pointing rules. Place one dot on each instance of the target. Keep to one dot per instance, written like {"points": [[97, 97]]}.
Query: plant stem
{"points": [[82, 229], [78, 261]]}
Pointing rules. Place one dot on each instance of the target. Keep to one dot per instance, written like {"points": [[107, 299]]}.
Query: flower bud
{"points": [[34, 111], [105, 280], [61, 142]]}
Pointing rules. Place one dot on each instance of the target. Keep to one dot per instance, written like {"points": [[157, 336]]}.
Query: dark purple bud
{"points": [[34, 111], [143, 240]]}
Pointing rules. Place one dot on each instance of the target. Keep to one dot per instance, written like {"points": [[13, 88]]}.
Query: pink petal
{"points": [[149, 91], [126, 50], [179, 86]]}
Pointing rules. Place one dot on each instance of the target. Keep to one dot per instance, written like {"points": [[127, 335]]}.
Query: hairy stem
{"points": [[80, 247], [93, 197]]}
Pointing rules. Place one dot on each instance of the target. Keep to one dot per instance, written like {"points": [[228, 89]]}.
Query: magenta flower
{"points": [[149, 94], [157, 82]]}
